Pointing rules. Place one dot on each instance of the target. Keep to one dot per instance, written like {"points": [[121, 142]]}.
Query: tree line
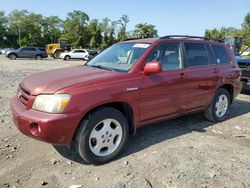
{"points": [[24, 28], [223, 32]]}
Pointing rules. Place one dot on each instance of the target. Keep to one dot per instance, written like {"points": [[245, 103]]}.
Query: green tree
{"points": [[16, 26], [219, 34], [75, 28], [246, 30], [145, 31], [108, 28], [27, 27], [51, 29], [3, 29], [123, 21], [94, 30]]}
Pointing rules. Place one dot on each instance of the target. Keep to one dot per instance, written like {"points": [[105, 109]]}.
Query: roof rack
{"points": [[192, 37]]}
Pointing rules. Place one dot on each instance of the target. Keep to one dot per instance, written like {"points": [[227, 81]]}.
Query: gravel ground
{"points": [[184, 152]]}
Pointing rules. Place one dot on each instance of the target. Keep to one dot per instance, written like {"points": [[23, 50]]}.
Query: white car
{"points": [[75, 54]]}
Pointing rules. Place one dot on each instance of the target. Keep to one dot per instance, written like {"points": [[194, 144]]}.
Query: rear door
{"points": [[201, 73], [81, 54], [33, 52], [164, 94]]}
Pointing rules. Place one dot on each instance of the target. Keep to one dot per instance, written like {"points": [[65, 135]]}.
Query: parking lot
{"points": [[188, 151]]}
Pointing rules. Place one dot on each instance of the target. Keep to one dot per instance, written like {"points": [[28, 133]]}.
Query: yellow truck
{"points": [[55, 49], [245, 51]]}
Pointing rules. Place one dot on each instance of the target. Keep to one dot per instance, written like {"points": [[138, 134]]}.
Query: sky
{"points": [[188, 17]]}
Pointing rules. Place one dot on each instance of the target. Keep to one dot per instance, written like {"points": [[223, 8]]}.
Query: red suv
{"points": [[131, 84]]}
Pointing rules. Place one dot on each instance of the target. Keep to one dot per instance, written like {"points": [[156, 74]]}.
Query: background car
{"points": [[75, 54], [5, 50], [27, 52], [244, 64]]}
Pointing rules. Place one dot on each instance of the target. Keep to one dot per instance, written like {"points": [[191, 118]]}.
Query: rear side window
{"points": [[197, 54], [212, 59], [221, 54], [32, 49], [42, 49]]}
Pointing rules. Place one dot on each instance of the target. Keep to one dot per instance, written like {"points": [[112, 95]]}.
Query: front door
{"points": [[164, 94]]}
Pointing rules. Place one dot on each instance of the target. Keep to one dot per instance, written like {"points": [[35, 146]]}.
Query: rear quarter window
{"points": [[221, 54]]}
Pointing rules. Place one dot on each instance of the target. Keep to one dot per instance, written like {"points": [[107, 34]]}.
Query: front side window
{"points": [[119, 57], [23, 49], [196, 54], [221, 54], [169, 55]]}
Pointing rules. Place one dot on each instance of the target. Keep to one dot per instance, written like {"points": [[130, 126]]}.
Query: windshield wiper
{"points": [[101, 67]]}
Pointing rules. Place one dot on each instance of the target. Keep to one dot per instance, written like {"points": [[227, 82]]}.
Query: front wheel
{"points": [[12, 56], [101, 136], [219, 107], [67, 58]]}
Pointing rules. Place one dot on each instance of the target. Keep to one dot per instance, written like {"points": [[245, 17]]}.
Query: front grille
{"points": [[23, 95], [245, 69]]}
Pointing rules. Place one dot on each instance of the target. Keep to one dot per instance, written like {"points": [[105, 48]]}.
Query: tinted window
{"points": [[169, 55], [79, 51], [32, 49], [212, 59], [42, 49], [24, 49], [221, 54], [196, 54]]}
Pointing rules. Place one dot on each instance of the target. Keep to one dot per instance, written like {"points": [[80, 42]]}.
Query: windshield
{"points": [[119, 57]]}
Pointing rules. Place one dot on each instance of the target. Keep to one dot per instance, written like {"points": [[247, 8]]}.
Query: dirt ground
{"points": [[185, 152]]}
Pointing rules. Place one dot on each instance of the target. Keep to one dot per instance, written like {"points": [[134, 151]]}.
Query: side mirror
{"points": [[152, 68]]}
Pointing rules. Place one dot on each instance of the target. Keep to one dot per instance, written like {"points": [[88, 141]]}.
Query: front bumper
{"points": [[56, 129], [245, 83]]}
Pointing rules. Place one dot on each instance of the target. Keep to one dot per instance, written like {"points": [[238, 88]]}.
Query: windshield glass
{"points": [[119, 57]]}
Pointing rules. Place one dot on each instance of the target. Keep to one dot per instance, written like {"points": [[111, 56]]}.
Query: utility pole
{"points": [[19, 35]]}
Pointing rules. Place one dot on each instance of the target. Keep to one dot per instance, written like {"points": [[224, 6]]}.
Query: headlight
{"points": [[51, 103]]}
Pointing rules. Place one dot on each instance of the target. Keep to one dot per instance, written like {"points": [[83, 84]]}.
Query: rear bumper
{"points": [[56, 129]]}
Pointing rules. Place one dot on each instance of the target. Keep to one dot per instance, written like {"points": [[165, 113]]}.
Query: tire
{"points": [[99, 143], [219, 107], [56, 55], [86, 58], [67, 58], [12, 56], [38, 57]]}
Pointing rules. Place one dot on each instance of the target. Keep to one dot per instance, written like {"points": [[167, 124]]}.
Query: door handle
{"points": [[182, 76], [216, 71]]}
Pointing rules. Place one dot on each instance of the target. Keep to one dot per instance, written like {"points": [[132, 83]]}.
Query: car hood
{"points": [[55, 80], [10, 51], [243, 59]]}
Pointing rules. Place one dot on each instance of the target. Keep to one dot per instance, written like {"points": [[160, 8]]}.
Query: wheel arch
{"points": [[230, 89], [12, 53], [123, 107]]}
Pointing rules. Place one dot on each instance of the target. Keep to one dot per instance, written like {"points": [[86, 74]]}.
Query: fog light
{"points": [[35, 129]]}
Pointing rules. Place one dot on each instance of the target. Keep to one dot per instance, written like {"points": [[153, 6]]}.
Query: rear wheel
{"points": [[56, 54], [12, 56], [39, 57], [219, 108], [101, 136]]}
